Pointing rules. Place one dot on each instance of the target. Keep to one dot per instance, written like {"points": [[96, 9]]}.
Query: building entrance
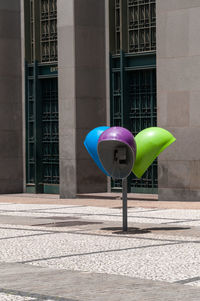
{"points": [[133, 76], [41, 78]]}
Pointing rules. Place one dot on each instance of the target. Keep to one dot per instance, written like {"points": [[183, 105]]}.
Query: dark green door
{"points": [[41, 78], [133, 76], [49, 143]]}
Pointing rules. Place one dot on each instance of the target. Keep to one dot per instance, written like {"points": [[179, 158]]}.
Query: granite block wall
{"points": [[11, 119], [178, 88]]}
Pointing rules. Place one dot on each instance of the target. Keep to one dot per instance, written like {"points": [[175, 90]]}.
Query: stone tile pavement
{"points": [[36, 283], [110, 200], [66, 251]]}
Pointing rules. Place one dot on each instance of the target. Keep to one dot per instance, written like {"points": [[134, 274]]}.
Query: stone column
{"points": [[11, 151], [82, 91], [67, 97], [178, 79]]}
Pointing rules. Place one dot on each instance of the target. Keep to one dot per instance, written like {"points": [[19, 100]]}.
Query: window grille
{"points": [[137, 28], [141, 25], [32, 29], [117, 25], [48, 31]]}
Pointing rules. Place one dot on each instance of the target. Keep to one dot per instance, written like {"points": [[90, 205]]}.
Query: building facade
{"points": [[80, 64]]}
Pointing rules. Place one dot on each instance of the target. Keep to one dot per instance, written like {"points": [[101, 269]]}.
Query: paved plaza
{"points": [[57, 250]]}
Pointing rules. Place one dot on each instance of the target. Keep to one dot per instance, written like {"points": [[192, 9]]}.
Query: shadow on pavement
{"points": [[133, 230], [68, 224]]}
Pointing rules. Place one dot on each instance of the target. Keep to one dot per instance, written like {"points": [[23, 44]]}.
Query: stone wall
{"points": [[11, 152], [178, 80]]}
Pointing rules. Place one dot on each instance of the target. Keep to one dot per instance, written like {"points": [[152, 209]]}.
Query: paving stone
{"points": [[48, 284], [69, 252]]}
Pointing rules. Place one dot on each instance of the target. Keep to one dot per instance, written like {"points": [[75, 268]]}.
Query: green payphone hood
{"points": [[150, 143]]}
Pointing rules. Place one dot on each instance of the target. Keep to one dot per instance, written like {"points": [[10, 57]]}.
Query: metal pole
{"points": [[124, 198]]}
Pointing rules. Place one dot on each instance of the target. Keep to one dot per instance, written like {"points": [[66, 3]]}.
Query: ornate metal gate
{"points": [[42, 154], [133, 75]]}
